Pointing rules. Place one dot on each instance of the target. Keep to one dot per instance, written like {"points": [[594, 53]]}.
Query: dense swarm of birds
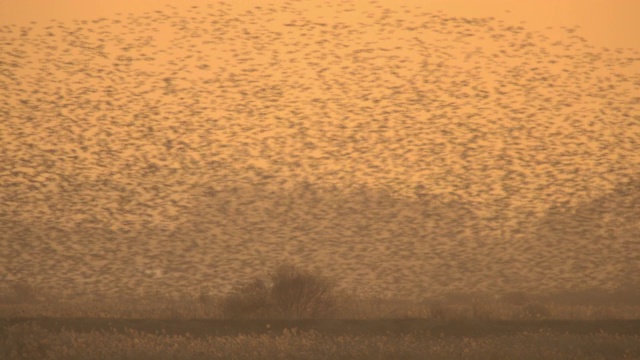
{"points": [[401, 150]]}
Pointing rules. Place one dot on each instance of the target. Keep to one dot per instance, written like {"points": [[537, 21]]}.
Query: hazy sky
{"points": [[603, 24], [609, 23], [146, 123]]}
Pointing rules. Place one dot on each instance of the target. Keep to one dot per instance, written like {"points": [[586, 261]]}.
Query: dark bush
{"points": [[299, 293], [290, 292]]}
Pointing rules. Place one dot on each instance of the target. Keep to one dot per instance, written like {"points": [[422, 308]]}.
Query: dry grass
{"points": [[28, 341]]}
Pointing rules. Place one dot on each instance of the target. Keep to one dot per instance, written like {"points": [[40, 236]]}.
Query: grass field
{"points": [[31, 341], [588, 325]]}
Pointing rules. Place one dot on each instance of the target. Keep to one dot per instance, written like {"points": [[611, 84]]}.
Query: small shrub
{"points": [[289, 292], [299, 293]]}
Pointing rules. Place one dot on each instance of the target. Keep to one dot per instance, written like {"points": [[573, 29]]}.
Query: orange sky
{"points": [[594, 17], [132, 128], [609, 23]]}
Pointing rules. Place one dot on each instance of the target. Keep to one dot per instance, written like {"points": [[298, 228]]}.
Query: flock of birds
{"points": [[167, 148]]}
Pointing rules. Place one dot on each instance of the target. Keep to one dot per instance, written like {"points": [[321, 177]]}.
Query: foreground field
{"points": [[294, 313], [592, 325], [330, 327], [37, 340]]}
